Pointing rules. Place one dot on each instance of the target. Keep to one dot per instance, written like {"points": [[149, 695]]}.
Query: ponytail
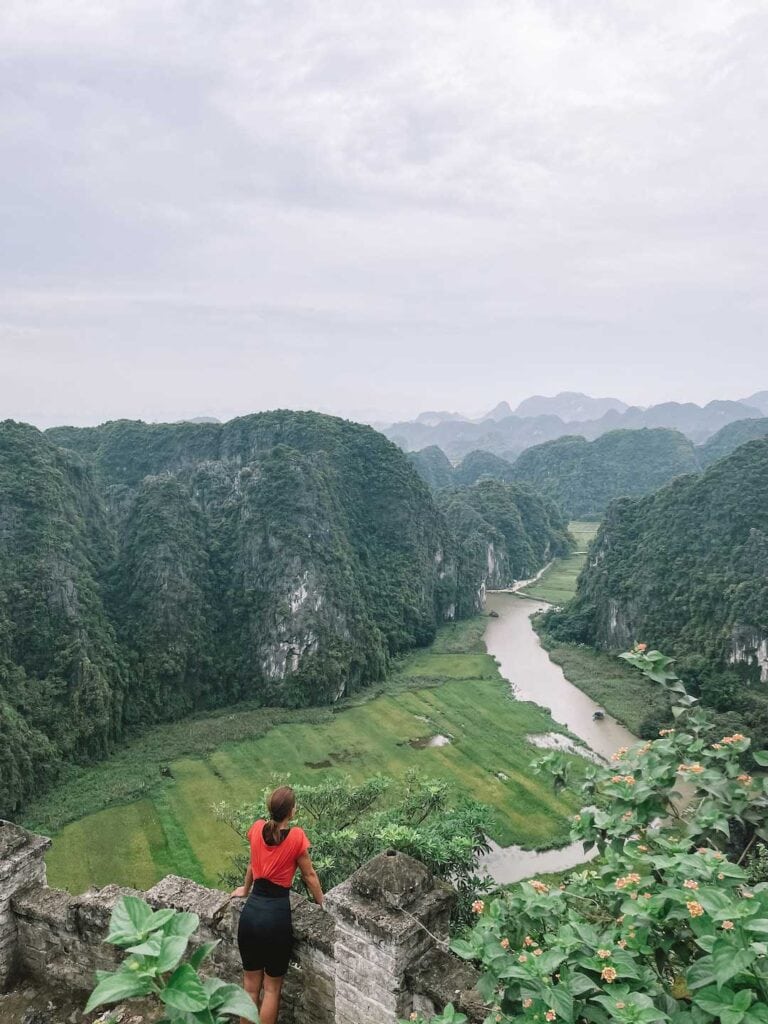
{"points": [[280, 804]]}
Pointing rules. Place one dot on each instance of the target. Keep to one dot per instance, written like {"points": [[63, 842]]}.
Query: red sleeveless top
{"points": [[276, 863]]}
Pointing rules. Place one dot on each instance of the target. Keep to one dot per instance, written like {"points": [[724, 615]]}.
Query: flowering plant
{"points": [[664, 926]]}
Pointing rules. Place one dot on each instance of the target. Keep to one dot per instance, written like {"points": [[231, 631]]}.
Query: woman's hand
{"points": [[240, 891]]}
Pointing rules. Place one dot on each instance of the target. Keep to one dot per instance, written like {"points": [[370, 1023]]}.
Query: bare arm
{"points": [[310, 879], [245, 888]]}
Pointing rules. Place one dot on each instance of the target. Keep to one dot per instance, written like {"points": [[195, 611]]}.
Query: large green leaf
{"points": [[160, 918], [202, 952], [728, 960], [182, 923], [184, 990], [117, 986], [128, 924], [234, 1000], [172, 950], [149, 947]]}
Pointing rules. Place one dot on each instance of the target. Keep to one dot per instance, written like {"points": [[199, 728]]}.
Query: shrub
{"points": [[664, 926], [156, 942]]}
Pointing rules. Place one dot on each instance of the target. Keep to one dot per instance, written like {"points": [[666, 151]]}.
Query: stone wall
{"points": [[375, 953]]}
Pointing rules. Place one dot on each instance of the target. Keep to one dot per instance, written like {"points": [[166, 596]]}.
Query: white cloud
{"points": [[362, 197]]}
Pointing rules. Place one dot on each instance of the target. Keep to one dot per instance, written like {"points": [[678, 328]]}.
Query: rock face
{"points": [[369, 959], [150, 570]]}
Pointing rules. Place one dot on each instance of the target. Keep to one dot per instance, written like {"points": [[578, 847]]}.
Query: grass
{"points": [[454, 685], [558, 584]]}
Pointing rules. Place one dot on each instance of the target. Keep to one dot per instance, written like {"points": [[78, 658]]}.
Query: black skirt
{"points": [[265, 931]]}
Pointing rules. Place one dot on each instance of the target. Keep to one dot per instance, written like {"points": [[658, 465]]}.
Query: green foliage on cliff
{"points": [[435, 469], [687, 569], [730, 437], [149, 570], [504, 532], [433, 466], [584, 476]]}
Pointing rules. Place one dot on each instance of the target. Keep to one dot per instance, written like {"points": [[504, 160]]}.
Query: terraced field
{"points": [[452, 688]]}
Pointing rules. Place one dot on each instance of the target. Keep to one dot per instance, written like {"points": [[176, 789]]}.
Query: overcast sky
{"points": [[212, 207]]}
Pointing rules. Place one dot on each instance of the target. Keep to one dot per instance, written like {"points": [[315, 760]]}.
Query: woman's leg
{"points": [[252, 982], [270, 1003]]}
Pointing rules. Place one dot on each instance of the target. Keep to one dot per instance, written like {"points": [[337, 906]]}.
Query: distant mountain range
{"points": [[583, 476], [539, 419]]}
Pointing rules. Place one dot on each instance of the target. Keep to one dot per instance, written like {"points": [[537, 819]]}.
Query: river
{"points": [[512, 640]]}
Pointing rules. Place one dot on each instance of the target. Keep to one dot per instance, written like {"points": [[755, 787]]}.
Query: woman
{"points": [[264, 934]]}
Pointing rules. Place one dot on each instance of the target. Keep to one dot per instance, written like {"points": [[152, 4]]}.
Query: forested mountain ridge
{"points": [[503, 533], [583, 477], [686, 570], [730, 437], [150, 570]]}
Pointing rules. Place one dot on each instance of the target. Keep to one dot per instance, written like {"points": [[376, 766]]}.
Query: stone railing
{"points": [[376, 953]]}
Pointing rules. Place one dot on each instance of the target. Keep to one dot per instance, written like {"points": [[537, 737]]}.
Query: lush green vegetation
{"points": [[433, 466], [687, 569], [150, 571], [435, 469], [730, 437], [583, 477], [666, 926], [504, 532], [349, 824], [557, 584], [452, 688]]}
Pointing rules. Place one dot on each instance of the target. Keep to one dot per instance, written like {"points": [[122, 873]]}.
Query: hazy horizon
{"points": [[374, 212]]}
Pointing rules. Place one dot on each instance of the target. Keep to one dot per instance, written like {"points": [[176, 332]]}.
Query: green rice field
{"points": [[452, 687], [558, 584]]}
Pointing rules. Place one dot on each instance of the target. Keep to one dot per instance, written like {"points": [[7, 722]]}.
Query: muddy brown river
{"points": [[511, 639]]}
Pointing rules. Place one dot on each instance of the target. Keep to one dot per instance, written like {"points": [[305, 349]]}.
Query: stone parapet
{"points": [[374, 955]]}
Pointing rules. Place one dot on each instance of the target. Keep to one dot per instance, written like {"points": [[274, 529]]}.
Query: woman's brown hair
{"points": [[280, 804]]}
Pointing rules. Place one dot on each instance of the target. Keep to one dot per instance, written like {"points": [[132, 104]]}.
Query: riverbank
{"points": [[452, 688], [556, 583]]}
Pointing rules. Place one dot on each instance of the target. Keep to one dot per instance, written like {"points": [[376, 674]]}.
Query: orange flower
{"points": [[620, 1005], [694, 909], [550, 1015], [522, 958], [528, 941], [478, 907], [504, 943], [727, 925], [641, 647], [689, 883], [666, 732], [744, 779], [538, 886], [608, 974], [527, 1003], [622, 943], [538, 952], [603, 953]]}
